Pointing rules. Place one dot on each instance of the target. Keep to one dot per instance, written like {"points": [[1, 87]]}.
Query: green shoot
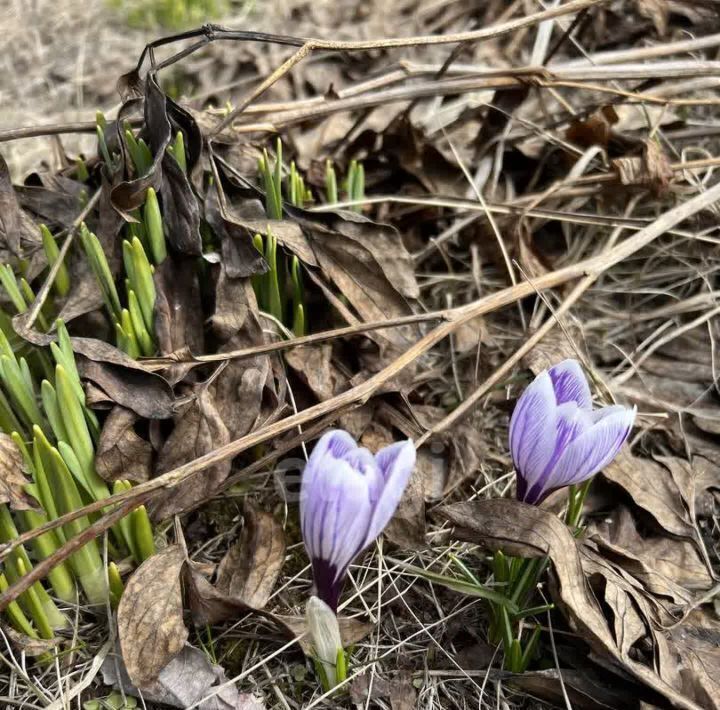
{"points": [[62, 279], [154, 227]]}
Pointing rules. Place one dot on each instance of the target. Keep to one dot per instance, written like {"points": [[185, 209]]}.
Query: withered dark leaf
{"points": [[178, 308], [313, 365], [31, 647], [121, 453], [653, 488], [57, 203], [189, 678], [239, 255], [18, 235], [198, 430], [252, 565], [181, 212], [123, 380], [12, 477], [150, 616], [180, 209]]}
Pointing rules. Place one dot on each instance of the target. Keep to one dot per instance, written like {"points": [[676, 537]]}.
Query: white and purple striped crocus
{"points": [[557, 438], [347, 497]]}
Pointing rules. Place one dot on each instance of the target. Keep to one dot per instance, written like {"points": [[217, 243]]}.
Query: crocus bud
{"points": [[325, 635], [556, 438], [347, 497]]}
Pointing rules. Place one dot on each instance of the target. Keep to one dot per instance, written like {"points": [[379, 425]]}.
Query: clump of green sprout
{"points": [[353, 184], [44, 412], [280, 291]]}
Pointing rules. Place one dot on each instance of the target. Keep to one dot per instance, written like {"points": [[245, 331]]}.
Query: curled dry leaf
{"points": [[122, 380], [29, 646], [18, 235], [314, 366], [252, 565], [187, 679], [651, 170], [181, 212], [198, 430], [12, 477], [121, 452], [527, 531], [240, 258], [664, 499], [150, 616]]}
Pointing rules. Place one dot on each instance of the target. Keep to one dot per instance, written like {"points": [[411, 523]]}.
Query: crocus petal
{"points": [[364, 463], [532, 430], [570, 384], [571, 422], [338, 515], [396, 463], [594, 449], [335, 443]]}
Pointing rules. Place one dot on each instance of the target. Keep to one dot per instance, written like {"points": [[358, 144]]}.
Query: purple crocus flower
{"points": [[347, 497], [556, 438]]}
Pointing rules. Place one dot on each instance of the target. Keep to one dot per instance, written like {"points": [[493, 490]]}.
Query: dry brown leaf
{"points": [[121, 452], [651, 170], [653, 488], [594, 130], [199, 430], [666, 566], [313, 365], [657, 11], [18, 235], [122, 380], [399, 690], [586, 689], [29, 646], [12, 477], [150, 616], [186, 680], [252, 565]]}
